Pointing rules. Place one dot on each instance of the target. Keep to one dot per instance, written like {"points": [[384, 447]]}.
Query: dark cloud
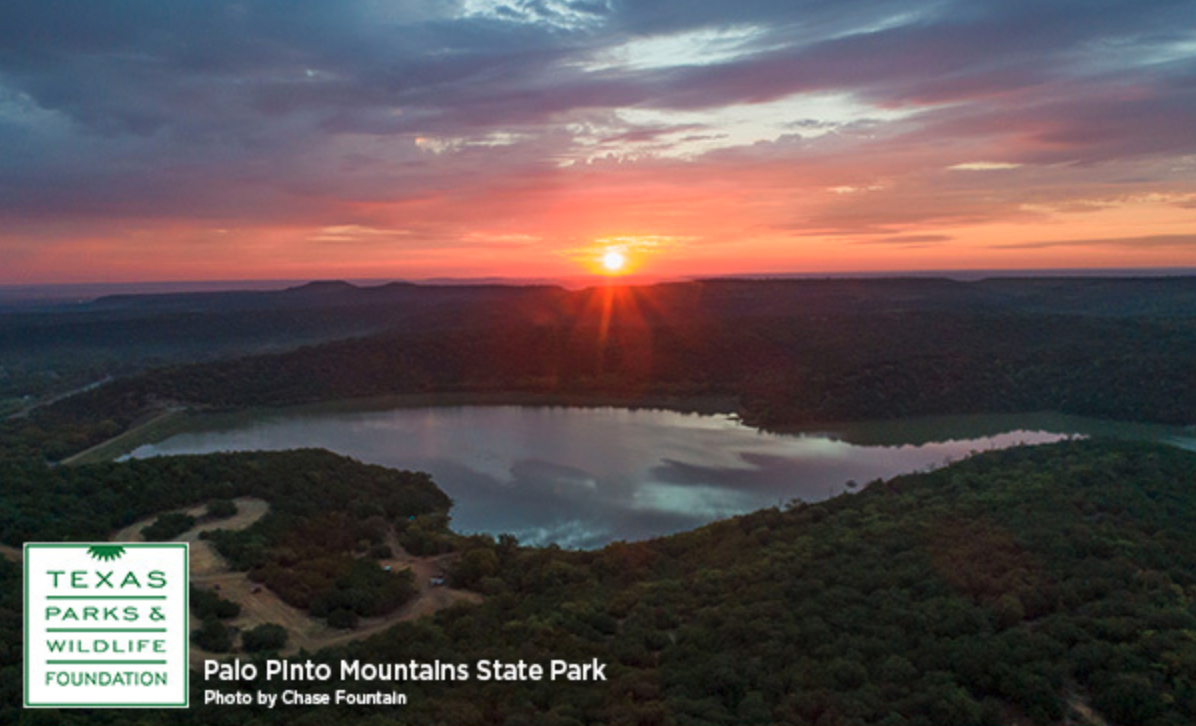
{"points": [[907, 240], [1166, 241], [309, 111]]}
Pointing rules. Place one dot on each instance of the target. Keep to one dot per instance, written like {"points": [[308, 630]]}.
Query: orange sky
{"points": [[525, 140]]}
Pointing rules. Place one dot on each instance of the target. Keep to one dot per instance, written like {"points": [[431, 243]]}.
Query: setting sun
{"points": [[613, 261]]}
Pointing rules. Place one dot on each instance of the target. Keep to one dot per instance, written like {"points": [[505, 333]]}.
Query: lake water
{"points": [[582, 477]]}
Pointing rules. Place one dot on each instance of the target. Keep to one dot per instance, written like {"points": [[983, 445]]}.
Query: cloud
{"points": [[445, 118], [1158, 241], [907, 240], [984, 166], [354, 233]]}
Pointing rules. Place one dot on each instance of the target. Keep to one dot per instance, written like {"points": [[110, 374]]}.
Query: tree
{"points": [[473, 566], [269, 636], [344, 619], [205, 602], [214, 636], [168, 526], [221, 508]]}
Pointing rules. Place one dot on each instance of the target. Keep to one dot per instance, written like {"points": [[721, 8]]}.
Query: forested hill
{"points": [[791, 351], [50, 350], [1019, 586], [1047, 585]]}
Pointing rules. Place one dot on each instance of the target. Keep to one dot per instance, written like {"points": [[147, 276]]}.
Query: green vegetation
{"points": [[1007, 588], [426, 535], [168, 526], [265, 637], [53, 349], [214, 636], [1021, 586], [206, 603], [325, 513], [89, 502], [11, 638], [1003, 589], [792, 352], [381, 552], [343, 618], [325, 584], [221, 509]]}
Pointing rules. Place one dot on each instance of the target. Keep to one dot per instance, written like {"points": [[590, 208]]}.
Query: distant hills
{"points": [[791, 351]]}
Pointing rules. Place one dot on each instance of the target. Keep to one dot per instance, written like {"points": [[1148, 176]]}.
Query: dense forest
{"points": [[792, 352], [1029, 585], [324, 509], [85, 503], [1035, 585], [54, 348]]}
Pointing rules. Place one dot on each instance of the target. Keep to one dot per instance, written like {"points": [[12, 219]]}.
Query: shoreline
{"points": [[681, 404], [157, 427], [180, 418]]}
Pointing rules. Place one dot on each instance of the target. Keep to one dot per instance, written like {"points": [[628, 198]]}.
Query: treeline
{"points": [[785, 370], [82, 503]]}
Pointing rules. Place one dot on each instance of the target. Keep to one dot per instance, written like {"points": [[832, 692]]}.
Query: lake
{"points": [[582, 477]]}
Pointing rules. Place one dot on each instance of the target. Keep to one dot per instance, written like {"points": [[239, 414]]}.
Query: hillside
{"points": [[791, 352], [1032, 585]]}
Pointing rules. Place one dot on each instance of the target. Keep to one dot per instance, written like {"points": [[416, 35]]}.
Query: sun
{"points": [[613, 260]]}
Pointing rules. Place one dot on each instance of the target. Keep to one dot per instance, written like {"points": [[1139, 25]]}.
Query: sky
{"points": [[210, 139]]}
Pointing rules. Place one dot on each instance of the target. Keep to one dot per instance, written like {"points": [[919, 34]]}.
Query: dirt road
{"points": [[259, 605]]}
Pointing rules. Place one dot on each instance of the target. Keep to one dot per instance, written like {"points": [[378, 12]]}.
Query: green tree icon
{"points": [[106, 552]]}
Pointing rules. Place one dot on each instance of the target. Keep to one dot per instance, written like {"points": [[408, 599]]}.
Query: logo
{"points": [[106, 625]]}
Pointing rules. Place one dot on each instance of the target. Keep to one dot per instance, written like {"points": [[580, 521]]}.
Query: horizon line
{"points": [[968, 274]]}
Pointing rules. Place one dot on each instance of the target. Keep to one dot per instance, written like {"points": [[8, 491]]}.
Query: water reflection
{"points": [[584, 477]]}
